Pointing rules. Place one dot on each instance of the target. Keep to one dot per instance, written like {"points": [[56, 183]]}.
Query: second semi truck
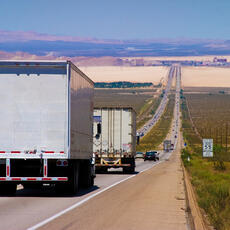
{"points": [[114, 138]]}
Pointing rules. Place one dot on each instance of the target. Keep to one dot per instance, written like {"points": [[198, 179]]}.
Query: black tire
{"points": [[101, 169], [104, 169], [130, 169], [86, 177], [92, 181], [8, 189], [72, 186], [97, 170]]}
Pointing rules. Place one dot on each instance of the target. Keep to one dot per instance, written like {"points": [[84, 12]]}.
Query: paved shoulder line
{"points": [[85, 200]]}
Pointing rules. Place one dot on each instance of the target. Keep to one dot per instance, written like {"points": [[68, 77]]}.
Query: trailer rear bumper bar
{"points": [[113, 165], [33, 178]]}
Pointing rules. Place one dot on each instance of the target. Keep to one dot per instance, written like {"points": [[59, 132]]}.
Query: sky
{"points": [[119, 19]]}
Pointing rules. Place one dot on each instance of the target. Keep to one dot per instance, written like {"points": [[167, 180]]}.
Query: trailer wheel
{"points": [[73, 184], [8, 189], [104, 169], [101, 169], [86, 174], [92, 181], [130, 169]]}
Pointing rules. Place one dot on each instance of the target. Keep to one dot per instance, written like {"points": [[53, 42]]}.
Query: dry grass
{"points": [[212, 185], [123, 97], [210, 114]]}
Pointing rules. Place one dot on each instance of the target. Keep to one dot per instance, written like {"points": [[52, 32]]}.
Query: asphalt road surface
{"points": [[31, 206]]}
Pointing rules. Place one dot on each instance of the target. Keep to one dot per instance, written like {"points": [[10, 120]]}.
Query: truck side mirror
{"points": [[138, 140], [99, 128]]}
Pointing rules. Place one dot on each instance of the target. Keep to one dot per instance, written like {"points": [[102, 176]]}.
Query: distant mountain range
{"points": [[70, 46]]}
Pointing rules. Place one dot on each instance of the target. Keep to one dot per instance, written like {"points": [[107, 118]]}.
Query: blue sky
{"points": [[119, 19]]}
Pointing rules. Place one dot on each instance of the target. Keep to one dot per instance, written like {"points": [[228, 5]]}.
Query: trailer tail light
{"points": [[62, 163]]}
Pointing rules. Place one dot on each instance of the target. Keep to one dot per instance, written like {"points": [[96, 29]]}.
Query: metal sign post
{"points": [[207, 147]]}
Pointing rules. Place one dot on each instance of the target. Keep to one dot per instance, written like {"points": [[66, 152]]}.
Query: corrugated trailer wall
{"points": [[82, 92], [118, 130]]}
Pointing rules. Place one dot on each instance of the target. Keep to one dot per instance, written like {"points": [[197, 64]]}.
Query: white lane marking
{"points": [[85, 200]]}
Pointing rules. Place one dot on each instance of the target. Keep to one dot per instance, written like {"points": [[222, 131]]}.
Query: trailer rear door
{"points": [[34, 112]]}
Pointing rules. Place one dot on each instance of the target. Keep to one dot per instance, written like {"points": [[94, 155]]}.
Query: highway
{"points": [[160, 110], [31, 206], [152, 198], [175, 125]]}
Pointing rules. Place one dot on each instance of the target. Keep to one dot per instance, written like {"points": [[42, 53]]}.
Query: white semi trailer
{"points": [[114, 138], [46, 123]]}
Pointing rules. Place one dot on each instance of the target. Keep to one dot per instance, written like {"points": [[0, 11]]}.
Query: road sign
{"points": [[207, 147]]}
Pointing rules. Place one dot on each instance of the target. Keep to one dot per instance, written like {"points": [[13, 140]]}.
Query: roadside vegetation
{"points": [[210, 177], [122, 84], [158, 133], [147, 111]]}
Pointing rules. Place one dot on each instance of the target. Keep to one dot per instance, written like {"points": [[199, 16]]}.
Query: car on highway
{"points": [[151, 155], [139, 155]]}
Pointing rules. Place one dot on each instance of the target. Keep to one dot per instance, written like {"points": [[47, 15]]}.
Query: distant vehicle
{"points": [[139, 155], [151, 155], [167, 145]]}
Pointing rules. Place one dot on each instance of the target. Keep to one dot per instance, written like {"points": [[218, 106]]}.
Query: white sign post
{"points": [[207, 147]]}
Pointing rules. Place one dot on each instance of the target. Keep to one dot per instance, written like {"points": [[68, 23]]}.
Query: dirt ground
{"points": [[191, 76], [206, 76], [119, 73]]}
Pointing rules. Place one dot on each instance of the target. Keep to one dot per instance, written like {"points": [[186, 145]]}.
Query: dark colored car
{"points": [[151, 155]]}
